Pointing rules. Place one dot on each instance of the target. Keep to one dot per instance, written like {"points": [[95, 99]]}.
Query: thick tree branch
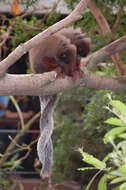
{"points": [[101, 82], [23, 48], [106, 52], [9, 85]]}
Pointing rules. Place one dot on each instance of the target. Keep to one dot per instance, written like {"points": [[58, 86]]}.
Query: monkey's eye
{"points": [[64, 55]]}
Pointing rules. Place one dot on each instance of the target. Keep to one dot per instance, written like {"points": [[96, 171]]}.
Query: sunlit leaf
{"points": [[113, 133], [116, 188], [92, 160], [103, 183], [123, 135], [115, 121], [118, 180], [91, 181], [122, 169], [119, 106], [122, 186], [116, 173], [86, 168]]}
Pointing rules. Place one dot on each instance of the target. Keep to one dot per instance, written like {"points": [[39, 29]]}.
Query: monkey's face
{"points": [[67, 59]]}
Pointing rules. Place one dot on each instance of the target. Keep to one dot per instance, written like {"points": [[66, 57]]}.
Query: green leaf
{"points": [[115, 121], [116, 173], [118, 180], [123, 135], [119, 106], [92, 160], [86, 168], [122, 187], [91, 181], [122, 169], [102, 185], [116, 188], [113, 133]]}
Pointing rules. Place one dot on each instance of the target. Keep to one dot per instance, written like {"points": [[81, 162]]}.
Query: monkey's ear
{"points": [[87, 46], [88, 43], [83, 47]]}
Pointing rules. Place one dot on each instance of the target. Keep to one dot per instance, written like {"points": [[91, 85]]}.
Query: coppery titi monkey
{"points": [[55, 53], [60, 52]]}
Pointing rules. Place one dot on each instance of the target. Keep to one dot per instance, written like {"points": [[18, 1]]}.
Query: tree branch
{"points": [[106, 52], [115, 26]]}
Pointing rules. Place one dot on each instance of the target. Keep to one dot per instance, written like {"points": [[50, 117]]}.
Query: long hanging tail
{"points": [[44, 145]]}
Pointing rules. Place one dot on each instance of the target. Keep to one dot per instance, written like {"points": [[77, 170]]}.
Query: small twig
{"points": [[18, 111], [17, 138], [14, 142], [8, 33], [52, 10], [114, 29], [25, 156]]}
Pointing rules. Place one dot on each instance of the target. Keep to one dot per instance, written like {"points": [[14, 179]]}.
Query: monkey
{"points": [[59, 53], [56, 53]]}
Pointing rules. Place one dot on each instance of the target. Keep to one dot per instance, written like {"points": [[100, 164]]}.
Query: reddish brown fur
{"points": [[47, 56], [82, 43], [77, 38]]}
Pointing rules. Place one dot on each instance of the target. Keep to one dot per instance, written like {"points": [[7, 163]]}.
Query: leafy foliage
{"points": [[116, 172]]}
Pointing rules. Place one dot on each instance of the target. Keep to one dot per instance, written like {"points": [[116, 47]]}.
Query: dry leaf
{"points": [[15, 7]]}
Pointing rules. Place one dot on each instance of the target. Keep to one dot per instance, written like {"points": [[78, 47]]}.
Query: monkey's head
{"points": [[66, 57], [59, 55], [78, 38]]}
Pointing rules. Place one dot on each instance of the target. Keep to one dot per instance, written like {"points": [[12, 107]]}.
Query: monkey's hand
{"points": [[60, 72], [76, 72], [51, 65]]}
